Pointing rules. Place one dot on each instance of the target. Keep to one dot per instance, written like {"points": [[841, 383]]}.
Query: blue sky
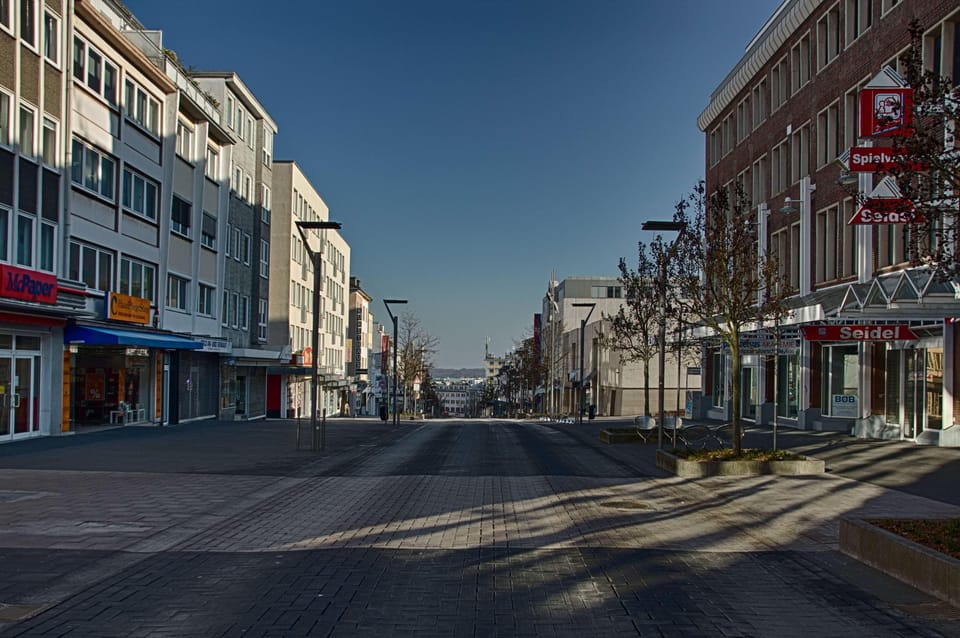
{"points": [[471, 147]]}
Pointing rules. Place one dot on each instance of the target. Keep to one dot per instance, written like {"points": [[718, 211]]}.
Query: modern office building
{"points": [[360, 338], [778, 124]]}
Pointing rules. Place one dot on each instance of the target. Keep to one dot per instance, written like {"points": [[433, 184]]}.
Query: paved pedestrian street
{"points": [[433, 529]]}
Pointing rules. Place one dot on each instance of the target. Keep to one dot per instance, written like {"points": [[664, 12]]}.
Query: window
{"points": [[237, 179], [93, 266], [247, 190], [727, 134], [778, 169], [180, 216], [51, 37], [28, 22], [137, 279], [139, 194], [859, 16], [606, 292], [759, 179], [800, 153], [851, 116], [24, 245], [48, 143], [177, 292], [250, 137], [237, 234], [264, 258], [245, 248], [828, 37], [891, 245], [886, 5], [746, 185], [28, 131], [829, 231], [5, 115], [92, 169], [267, 146], [235, 309], [262, 321], [228, 110], [715, 146], [6, 6], [211, 166], [241, 117], [93, 69], [828, 137], [839, 372], [225, 309], [779, 84], [244, 312], [743, 119], [141, 107], [184, 141], [205, 300], [760, 102], [226, 246], [265, 203], [47, 261], [208, 231], [800, 63]]}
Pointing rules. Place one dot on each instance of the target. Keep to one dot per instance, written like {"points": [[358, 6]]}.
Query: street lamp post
{"points": [[317, 261], [583, 326], [662, 226], [396, 380]]}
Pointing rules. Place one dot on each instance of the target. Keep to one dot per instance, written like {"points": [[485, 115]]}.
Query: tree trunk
{"points": [[646, 387], [735, 365]]}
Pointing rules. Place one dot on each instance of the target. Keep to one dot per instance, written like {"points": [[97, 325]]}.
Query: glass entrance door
{"points": [[19, 400], [913, 393]]}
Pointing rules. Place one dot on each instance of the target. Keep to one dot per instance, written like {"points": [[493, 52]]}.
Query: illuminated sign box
{"points": [[122, 307]]}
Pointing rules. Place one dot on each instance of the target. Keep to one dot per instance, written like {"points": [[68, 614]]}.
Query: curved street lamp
{"points": [[396, 379]]}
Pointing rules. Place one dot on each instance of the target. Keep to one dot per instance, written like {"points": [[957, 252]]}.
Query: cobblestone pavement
{"points": [[434, 529]]}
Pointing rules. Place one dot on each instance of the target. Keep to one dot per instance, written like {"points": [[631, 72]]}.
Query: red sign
{"points": [[858, 333], [885, 112], [887, 210], [28, 285], [873, 160], [307, 355]]}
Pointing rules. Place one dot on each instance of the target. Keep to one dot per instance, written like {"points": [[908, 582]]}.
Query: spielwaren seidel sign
{"points": [[894, 332], [27, 285]]}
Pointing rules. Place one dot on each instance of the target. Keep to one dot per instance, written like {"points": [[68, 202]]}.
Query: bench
{"points": [[646, 426]]}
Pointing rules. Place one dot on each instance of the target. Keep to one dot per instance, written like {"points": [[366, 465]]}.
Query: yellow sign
{"points": [[126, 308]]}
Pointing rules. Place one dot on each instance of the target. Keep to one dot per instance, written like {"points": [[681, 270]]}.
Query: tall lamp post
{"points": [[662, 226], [317, 261], [396, 379], [583, 326]]}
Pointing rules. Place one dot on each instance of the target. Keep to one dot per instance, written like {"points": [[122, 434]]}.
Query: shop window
{"points": [[788, 386], [840, 368], [719, 389]]}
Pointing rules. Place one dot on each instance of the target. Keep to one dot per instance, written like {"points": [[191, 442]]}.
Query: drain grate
{"points": [[16, 613], [627, 505]]}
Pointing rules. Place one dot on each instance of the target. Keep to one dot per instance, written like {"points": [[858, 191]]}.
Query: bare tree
{"points": [[722, 280], [416, 348]]}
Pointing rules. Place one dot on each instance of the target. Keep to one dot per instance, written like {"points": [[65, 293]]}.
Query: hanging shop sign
{"points": [[885, 112], [872, 159], [122, 307], [897, 210], [895, 332], [27, 285]]}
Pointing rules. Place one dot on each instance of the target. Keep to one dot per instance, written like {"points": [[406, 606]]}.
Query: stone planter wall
{"points": [[608, 436], [696, 469], [929, 571]]}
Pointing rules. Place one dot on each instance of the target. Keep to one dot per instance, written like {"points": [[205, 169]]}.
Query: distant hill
{"points": [[457, 373]]}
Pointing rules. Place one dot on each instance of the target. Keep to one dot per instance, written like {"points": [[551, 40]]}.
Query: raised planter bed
{"points": [[921, 567], [615, 435], [698, 469]]}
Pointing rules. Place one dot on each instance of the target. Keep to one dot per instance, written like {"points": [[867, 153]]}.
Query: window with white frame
{"points": [[828, 36], [228, 110], [24, 240], [745, 183], [49, 143], [28, 130], [211, 167], [237, 235], [886, 5], [6, 9], [205, 297], [51, 37], [850, 245], [241, 118], [178, 289], [93, 169], [47, 248], [92, 69], [184, 140], [247, 189], [264, 258], [250, 136], [778, 168], [245, 249], [941, 50], [262, 321], [141, 107], [235, 309], [137, 279], [236, 179], [851, 116], [891, 244], [244, 312], [225, 309], [760, 102], [267, 146], [265, 203], [180, 216], [800, 153], [859, 17], [779, 84], [759, 178], [5, 217], [715, 146], [828, 134], [6, 117], [208, 231], [800, 63], [743, 119], [227, 244], [139, 194], [28, 22], [828, 234], [91, 265]]}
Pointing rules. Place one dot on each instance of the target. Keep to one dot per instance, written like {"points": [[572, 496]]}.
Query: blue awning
{"points": [[97, 336]]}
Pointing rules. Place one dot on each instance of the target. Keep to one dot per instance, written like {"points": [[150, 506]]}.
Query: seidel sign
{"points": [[887, 210], [858, 333]]}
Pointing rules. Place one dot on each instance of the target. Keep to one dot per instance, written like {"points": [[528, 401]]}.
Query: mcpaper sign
{"points": [[887, 210], [875, 160], [28, 285], [885, 112], [858, 333]]}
